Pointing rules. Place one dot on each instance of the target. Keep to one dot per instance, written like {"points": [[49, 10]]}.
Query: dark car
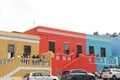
{"points": [[77, 74]]}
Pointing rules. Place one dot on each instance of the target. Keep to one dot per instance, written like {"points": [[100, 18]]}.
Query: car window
{"points": [[116, 70], [106, 70], [82, 71], [45, 74], [76, 71], [65, 72], [36, 74]]}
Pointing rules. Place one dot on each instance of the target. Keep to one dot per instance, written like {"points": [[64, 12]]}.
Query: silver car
{"points": [[39, 76]]}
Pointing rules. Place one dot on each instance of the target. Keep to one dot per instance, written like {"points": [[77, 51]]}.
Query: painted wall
{"points": [[18, 40], [116, 46], [59, 37], [98, 42]]}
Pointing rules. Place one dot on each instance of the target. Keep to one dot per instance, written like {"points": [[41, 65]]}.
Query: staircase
{"points": [[20, 66], [82, 62]]}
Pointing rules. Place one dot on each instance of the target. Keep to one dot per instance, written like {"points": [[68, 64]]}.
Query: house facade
{"points": [[75, 50], [60, 50], [101, 46], [16, 55]]}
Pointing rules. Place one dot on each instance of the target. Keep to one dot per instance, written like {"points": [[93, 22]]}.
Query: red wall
{"points": [[59, 40], [46, 34]]}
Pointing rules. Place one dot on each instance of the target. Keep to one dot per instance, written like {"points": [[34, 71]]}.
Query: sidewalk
{"points": [[11, 78]]}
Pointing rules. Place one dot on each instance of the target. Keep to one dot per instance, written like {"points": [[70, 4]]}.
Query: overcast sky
{"points": [[85, 16]]}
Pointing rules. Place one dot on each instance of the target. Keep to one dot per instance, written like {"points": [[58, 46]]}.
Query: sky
{"points": [[84, 16]]}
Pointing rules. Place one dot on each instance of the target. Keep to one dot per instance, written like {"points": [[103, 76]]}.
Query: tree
{"points": [[96, 33]]}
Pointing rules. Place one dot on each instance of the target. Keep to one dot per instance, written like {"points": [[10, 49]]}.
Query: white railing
{"points": [[106, 60]]}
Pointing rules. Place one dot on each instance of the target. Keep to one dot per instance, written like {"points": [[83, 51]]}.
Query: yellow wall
{"points": [[19, 40], [19, 47]]}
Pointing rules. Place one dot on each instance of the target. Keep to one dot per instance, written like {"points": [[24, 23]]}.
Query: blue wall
{"points": [[98, 42], [116, 46]]}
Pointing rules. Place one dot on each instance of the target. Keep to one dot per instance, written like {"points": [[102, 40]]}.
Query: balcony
{"points": [[106, 60], [21, 66]]}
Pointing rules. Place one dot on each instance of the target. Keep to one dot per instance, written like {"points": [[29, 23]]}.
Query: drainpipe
{"points": [[116, 60]]}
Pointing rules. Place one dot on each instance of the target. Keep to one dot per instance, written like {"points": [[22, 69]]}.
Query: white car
{"points": [[39, 76], [110, 73]]}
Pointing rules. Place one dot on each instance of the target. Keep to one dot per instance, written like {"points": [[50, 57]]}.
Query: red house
{"points": [[69, 48]]}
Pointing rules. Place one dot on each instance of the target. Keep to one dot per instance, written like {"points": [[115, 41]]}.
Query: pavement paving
{"points": [[19, 78]]}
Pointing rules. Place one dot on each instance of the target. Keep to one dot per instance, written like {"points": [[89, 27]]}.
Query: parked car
{"points": [[97, 74], [111, 73], [77, 74], [39, 76]]}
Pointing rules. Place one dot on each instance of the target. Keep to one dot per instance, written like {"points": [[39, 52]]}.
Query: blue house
{"points": [[116, 47], [101, 46]]}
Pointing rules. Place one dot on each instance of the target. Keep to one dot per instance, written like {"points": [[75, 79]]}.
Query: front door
{"points": [[79, 50], [52, 46], [11, 51]]}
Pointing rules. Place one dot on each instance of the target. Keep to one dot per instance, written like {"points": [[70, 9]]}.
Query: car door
{"points": [[118, 73], [83, 75]]}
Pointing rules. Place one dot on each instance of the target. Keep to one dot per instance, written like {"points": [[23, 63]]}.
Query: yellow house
{"points": [[16, 55], [13, 44]]}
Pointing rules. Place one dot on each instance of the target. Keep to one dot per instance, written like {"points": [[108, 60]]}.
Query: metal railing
{"points": [[106, 60], [27, 62]]}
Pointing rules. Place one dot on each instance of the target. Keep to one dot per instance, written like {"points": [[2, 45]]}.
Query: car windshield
{"points": [[45, 74]]}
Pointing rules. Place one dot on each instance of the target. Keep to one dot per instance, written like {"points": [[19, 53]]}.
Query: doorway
{"points": [[79, 50], [11, 51]]}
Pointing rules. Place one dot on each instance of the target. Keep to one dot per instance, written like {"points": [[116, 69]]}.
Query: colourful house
{"points": [[75, 50], [16, 55], [101, 46], [60, 50]]}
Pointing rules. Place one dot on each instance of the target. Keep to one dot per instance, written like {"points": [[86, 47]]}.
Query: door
{"points": [[79, 50], [11, 51], [83, 75], [103, 52], [52, 46]]}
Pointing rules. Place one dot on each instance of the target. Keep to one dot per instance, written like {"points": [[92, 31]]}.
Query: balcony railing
{"points": [[106, 60], [27, 62]]}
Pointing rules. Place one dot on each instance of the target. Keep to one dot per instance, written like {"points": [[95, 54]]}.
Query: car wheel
{"points": [[92, 78], [114, 78], [73, 79]]}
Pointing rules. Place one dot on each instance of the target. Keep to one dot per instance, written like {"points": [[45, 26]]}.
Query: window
{"points": [[91, 49], [52, 46], [79, 50], [11, 51], [27, 50], [66, 48], [103, 52], [45, 74]]}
